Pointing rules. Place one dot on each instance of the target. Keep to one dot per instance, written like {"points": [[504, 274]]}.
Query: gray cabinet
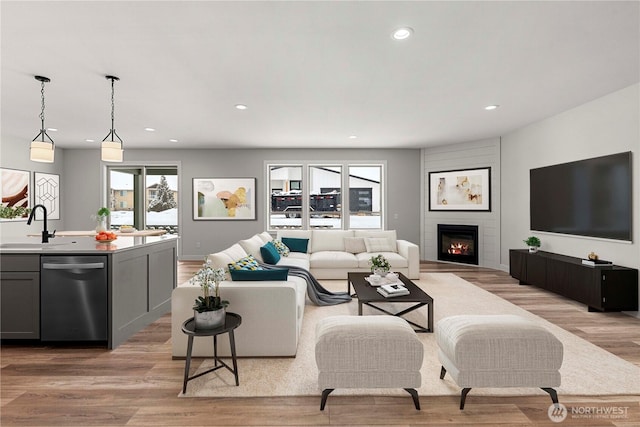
{"points": [[20, 297]]}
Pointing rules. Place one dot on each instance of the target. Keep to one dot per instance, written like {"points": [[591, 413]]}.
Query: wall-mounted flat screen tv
{"points": [[589, 197]]}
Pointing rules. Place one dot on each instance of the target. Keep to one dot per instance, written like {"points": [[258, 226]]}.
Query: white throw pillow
{"points": [[354, 245], [378, 244]]}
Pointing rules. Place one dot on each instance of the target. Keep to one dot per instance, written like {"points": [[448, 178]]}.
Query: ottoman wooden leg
{"points": [[552, 393], [443, 371], [414, 393], [463, 397], [325, 394]]}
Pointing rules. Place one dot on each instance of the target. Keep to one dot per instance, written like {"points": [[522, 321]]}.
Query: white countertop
{"points": [[78, 244]]}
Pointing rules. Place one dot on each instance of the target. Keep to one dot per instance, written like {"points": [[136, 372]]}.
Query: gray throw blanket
{"points": [[315, 291]]}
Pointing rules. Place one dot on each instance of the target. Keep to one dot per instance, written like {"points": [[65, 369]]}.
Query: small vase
{"points": [[533, 249], [210, 319], [380, 271], [101, 225]]}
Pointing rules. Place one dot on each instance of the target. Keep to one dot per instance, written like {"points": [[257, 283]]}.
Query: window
{"points": [[285, 204], [365, 196], [144, 197], [325, 205], [320, 196]]}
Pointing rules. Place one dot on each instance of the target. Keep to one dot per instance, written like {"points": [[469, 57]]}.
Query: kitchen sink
{"points": [[30, 245]]}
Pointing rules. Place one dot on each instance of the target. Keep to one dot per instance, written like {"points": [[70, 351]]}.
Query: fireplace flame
{"points": [[458, 249]]}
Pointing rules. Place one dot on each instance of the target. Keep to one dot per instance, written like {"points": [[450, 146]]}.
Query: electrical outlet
{"points": [[395, 216], [198, 245]]}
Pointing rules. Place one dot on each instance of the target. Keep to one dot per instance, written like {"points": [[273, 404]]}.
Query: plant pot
{"points": [[101, 224], [533, 249], [210, 319], [380, 271]]}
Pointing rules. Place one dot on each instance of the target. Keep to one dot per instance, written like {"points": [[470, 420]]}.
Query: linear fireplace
{"points": [[458, 243]]}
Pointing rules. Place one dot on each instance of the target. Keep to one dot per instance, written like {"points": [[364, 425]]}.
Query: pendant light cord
{"points": [[43, 131]]}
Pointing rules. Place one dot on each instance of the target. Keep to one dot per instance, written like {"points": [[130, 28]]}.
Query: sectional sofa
{"points": [[272, 310]]}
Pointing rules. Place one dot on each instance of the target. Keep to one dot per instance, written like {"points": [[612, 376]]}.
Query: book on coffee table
{"points": [[388, 291]]}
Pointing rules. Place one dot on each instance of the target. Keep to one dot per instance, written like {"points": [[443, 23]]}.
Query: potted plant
{"points": [[379, 265], [101, 219], [533, 242], [209, 309]]}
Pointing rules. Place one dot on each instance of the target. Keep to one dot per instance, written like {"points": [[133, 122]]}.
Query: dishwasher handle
{"points": [[76, 266]]}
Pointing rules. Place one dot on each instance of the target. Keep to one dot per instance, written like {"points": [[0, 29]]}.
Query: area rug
{"points": [[586, 369]]}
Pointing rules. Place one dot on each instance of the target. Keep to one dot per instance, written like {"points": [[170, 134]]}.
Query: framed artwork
{"points": [[224, 198], [46, 191], [15, 192], [460, 190]]}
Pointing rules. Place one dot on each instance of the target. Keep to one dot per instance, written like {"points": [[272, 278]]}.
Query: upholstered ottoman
{"points": [[498, 351], [367, 352]]}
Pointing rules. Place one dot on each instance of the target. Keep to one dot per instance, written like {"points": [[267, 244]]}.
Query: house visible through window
{"points": [[145, 197]]}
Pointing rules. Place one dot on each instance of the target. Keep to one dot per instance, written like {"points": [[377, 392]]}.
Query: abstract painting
{"points": [[460, 190], [46, 189], [224, 198], [14, 189]]}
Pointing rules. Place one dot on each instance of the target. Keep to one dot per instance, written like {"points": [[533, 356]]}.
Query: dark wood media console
{"points": [[606, 288]]}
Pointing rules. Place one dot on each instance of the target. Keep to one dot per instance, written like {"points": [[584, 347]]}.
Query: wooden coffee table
{"points": [[368, 295]]}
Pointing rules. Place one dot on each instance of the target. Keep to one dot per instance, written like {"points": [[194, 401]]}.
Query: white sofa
{"points": [[272, 311]]}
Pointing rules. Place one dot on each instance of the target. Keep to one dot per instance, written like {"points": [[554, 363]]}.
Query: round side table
{"points": [[232, 321]]}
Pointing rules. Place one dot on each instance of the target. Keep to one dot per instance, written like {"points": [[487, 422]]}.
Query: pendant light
{"points": [[111, 148], [42, 151]]}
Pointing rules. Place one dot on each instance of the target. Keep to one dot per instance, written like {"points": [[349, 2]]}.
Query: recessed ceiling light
{"points": [[352, 137], [150, 129], [173, 140], [90, 140], [491, 107], [52, 129], [241, 107], [402, 33]]}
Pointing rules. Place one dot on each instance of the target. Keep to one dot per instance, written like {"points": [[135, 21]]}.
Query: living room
{"points": [[592, 109]]}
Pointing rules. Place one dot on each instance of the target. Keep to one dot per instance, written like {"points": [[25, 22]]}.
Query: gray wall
{"points": [[604, 126], [478, 154], [84, 174]]}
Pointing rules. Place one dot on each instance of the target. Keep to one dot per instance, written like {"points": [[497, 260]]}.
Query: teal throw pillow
{"points": [[283, 250], [261, 275], [269, 253], [246, 263], [296, 245]]}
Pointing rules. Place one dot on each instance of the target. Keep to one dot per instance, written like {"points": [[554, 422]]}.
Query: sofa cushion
{"points": [[246, 263], [270, 254], [388, 234], [259, 275], [378, 244], [329, 240], [333, 259], [295, 244], [281, 247], [354, 245], [226, 257], [292, 261], [265, 236], [252, 246]]}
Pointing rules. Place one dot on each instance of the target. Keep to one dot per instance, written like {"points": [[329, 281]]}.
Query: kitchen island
{"points": [[139, 275]]}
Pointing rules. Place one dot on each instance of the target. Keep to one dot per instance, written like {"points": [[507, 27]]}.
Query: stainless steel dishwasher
{"points": [[73, 298]]}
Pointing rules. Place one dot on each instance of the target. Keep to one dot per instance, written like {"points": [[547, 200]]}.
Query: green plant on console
{"points": [[103, 212], [209, 278], [532, 241]]}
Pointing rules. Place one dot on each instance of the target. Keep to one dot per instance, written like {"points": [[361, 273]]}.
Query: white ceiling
{"points": [[311, 73]]}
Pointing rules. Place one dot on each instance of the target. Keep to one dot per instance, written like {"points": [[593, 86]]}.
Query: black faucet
{"points": [[45, 233]]}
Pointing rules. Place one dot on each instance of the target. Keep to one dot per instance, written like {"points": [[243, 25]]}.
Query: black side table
{"points": [[232, 321]]}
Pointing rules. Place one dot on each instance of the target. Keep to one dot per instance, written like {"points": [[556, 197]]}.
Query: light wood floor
{"points": [[138, 383]]}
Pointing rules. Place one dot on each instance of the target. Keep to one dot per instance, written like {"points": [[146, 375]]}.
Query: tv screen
{"points": [[589, 197]]}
